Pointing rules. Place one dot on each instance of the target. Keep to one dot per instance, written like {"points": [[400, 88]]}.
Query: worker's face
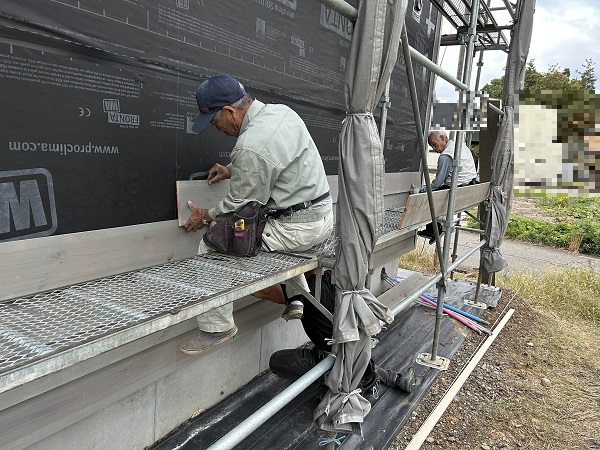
{"points": [[438, 144], [227, 121]]}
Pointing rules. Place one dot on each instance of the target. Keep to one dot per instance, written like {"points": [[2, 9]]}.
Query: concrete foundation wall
{"points": [[144, 416]]}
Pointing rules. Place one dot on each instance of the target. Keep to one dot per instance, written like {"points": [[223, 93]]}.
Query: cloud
{"points": [[564, 33]]}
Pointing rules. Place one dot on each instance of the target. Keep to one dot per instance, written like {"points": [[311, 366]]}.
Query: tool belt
{"points": [[239, 233]]}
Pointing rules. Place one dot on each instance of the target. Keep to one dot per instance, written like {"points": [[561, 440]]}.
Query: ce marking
{"points": [[84, 112]]}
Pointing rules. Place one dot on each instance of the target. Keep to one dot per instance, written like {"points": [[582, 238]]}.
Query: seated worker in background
{"points": [[293, 363], [467, 174], [274, 162]]}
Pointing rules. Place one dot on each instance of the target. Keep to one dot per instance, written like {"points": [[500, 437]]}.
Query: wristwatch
{"points": [[204, 221]]}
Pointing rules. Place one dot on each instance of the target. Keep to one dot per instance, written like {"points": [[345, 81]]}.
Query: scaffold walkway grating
{"points": [[458, 13], [45, 324]]}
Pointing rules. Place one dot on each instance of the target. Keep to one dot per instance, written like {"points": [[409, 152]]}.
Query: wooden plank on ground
{"points": [[417, 205], [402, 290]]}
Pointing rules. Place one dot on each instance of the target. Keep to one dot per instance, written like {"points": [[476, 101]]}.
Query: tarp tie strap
{"points": [[330, 440], [360, 291], [350, 394]]}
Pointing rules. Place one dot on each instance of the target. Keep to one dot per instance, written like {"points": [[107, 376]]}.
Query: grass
{"points": [[576, 224], [569, 293], [571, 208]]}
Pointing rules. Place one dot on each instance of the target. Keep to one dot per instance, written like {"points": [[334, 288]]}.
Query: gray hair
{"points": [[436, 134], [238, 104]]}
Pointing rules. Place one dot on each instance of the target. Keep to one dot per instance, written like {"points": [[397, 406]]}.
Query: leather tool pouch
{"points": [[239, 233]]}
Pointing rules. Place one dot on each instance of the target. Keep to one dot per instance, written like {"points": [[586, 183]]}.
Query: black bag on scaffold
{"points": [[239, 233]]}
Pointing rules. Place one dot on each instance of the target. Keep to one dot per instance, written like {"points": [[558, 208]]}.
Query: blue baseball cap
{"points": [[214, 93]]}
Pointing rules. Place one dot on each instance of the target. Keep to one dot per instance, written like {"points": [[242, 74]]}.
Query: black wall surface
{"points": [[98, 97]]}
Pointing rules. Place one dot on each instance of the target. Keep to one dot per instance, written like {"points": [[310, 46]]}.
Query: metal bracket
{"points": [[474, 304], [310, 298], [487, 287], [439, 363]]}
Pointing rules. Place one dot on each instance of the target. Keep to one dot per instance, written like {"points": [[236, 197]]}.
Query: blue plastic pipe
{"points": [[459, 311]]}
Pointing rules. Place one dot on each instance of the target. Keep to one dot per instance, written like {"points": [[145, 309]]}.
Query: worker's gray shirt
{"points": [[443, 174], [467, 171], [274, 162]]}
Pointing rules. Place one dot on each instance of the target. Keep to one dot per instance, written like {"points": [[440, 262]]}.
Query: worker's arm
{"points": [[444, 166]]}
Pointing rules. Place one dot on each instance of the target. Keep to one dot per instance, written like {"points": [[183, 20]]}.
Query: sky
{"points": [[565, 32]]}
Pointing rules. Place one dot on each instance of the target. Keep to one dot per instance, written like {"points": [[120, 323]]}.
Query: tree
{"points": [[588, 76], [554, 79], [532, 76], [494, 87], [531, 82]]}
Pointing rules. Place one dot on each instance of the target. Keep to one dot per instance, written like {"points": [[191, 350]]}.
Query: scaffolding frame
{"points": [[476, 26]]}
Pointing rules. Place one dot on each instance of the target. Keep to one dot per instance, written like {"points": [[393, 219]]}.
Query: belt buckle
{"points": [[307, 204]]}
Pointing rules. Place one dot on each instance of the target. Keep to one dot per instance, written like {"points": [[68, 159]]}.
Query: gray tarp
{"points": [[499, 199], [359, 218]]}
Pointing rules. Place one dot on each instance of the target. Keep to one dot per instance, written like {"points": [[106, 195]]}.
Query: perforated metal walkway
{"points": [[48, 331]]}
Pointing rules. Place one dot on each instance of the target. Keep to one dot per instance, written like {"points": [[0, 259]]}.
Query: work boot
{"points": [[294, 309], [204, 341], [427, 233], [402, 381], [405, 381]]}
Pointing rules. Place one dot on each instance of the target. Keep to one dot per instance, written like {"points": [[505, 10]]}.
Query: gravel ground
{"points": [[499, 376]]}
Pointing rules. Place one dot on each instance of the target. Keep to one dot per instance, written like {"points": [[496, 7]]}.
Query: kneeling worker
{"points": [[293, 363]]}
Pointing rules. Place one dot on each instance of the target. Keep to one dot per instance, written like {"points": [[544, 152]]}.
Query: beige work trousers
{"points": [[278, 236]]}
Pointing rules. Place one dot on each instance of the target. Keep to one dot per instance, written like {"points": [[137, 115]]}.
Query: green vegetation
{"points": [[568, 293], [475, 153], [575, 224], [583, 237], [569, 208], [553, 79], [571, 293]]}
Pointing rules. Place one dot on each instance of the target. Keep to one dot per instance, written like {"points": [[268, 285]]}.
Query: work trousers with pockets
{"points": [[296, 233]]}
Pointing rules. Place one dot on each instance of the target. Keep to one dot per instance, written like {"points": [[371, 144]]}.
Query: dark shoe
{"points": [[204, 341], [432, 239], [425, 234], [293, 310], [405, 381]]}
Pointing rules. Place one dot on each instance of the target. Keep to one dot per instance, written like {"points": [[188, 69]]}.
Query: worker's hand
{"points": [[194, 223], [217, 173]]}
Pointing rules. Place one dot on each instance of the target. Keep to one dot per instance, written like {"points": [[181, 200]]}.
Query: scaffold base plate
{"points": [[439, 363], [474, 304]]}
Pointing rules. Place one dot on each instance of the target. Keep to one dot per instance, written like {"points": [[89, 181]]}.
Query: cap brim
{"points": [[202, 121]]}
